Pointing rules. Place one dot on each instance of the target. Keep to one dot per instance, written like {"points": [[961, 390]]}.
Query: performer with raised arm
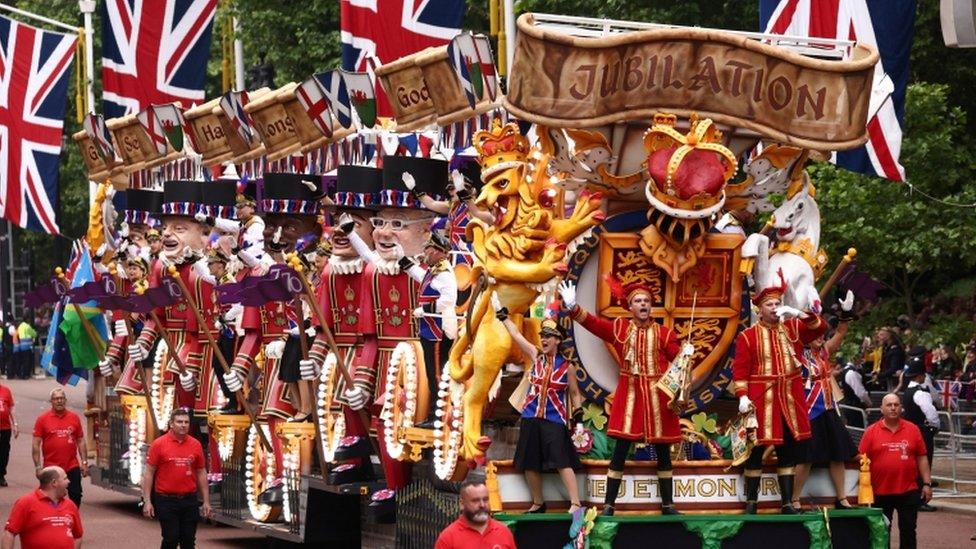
{"points": [[640, 411], [830, 441], [544, 443], [766, 378], [437, 312], [400, 229]]}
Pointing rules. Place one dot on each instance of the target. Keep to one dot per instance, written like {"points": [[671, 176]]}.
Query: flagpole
{"points": [[238, 57], [509, 34], [70, 28], [87, 8]]}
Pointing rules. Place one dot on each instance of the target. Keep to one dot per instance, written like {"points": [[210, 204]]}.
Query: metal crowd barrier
{"points": [[955, 442]]}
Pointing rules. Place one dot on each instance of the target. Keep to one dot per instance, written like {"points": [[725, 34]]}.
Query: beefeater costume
{"points": [[640, 411], [767, 369], [391, 295], [196, 201], [141, 208]]}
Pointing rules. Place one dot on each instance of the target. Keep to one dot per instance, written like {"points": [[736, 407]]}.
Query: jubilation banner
{"points": [[567, 81]]}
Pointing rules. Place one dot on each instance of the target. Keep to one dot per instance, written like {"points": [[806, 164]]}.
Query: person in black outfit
{"points": [[920, 410], [6, 363], [892, 356], [851, 382]]}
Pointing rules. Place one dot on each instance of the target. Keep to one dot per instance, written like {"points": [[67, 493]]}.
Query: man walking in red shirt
{"points": [[8, 426], [898, 457], [44, 519], [475, 529], [59, 438], [174, 474]]}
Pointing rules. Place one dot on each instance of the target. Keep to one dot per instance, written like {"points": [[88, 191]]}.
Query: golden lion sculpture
{"points": [[519, 255]]}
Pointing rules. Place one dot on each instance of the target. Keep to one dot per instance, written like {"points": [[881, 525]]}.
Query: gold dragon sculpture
{"points": [[519, 255]]}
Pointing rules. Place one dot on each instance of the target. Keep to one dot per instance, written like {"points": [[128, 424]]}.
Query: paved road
{"points": [[113, 520], [110, 519]]}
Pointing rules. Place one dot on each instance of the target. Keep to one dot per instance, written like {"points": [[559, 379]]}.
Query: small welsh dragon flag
{"points": [[362, 96]]}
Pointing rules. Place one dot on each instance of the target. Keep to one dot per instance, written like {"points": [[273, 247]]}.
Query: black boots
{"points": [[613, 488], [786, 495], [752, 494], [666, 487]]}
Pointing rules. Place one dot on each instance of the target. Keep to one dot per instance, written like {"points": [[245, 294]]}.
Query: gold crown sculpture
{"points": [[502, 148], [702, 136]]}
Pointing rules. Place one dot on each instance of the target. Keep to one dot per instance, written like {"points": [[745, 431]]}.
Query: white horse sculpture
{"points": [[797, 229]]}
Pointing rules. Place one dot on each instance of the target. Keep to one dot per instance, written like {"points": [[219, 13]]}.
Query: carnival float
{"points": [[348, 364]]}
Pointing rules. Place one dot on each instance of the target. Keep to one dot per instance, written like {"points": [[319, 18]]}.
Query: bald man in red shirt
{"points": [[475, 529], [45, 518]]}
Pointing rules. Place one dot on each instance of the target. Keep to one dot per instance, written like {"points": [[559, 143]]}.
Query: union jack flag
{"points": [[34, 69], [154, 52], [400, 28], [884, 24], [949, 391], [233, 103]]}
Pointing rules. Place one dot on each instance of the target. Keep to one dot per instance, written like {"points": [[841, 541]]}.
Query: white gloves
{"points": [[418, 312], [847, 303], [785, 312], [120, 328], [137, 353], [308, 369], [275, 349], [357, 397], [457, 180], [688, 349], [233, 381], [188, 382], [744, 404], [408, 180], [568, 292], [105, 367]]}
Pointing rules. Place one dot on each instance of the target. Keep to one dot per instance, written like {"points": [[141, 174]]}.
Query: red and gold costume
{"points": [[640, 410], [262, 325], [766, 368], [188, 337]]}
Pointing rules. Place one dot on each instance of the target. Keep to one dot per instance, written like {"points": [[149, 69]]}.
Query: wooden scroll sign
{"points": [[572, 82]]}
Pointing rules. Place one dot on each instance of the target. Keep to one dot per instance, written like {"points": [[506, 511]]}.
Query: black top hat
{"points": [[291, 193], [141, 206], [430, 175], [220, 197], [199, 198], [357, 187]]}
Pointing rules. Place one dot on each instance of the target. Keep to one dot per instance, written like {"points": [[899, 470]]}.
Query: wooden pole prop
{"points": [[296, 264], [844, 262], [192, 303], [93, 337], [146, 391]]}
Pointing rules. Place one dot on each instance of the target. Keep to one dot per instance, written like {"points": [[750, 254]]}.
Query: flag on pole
{"points": [[390, 29], [334, 87], [362, 95], [316, 105], [163, 125], [94, 126], [154, 52], [456, 55], [34, 68], [885, 24], [233, 103], [69, 353], [949, 392]]}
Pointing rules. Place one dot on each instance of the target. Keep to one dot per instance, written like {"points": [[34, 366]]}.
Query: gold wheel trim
{"points": [[332, 424]]}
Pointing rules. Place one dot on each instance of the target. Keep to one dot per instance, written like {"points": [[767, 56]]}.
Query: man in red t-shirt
{"points": [[175, 472], [8, 426], [898, 457], [475, 529], [59, 438], [44, 518]]}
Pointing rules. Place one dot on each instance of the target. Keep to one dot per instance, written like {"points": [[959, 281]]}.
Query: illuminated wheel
{"points": [[449, 429], [259, 475], [405, 399], [162, 394], [332, 422]]}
